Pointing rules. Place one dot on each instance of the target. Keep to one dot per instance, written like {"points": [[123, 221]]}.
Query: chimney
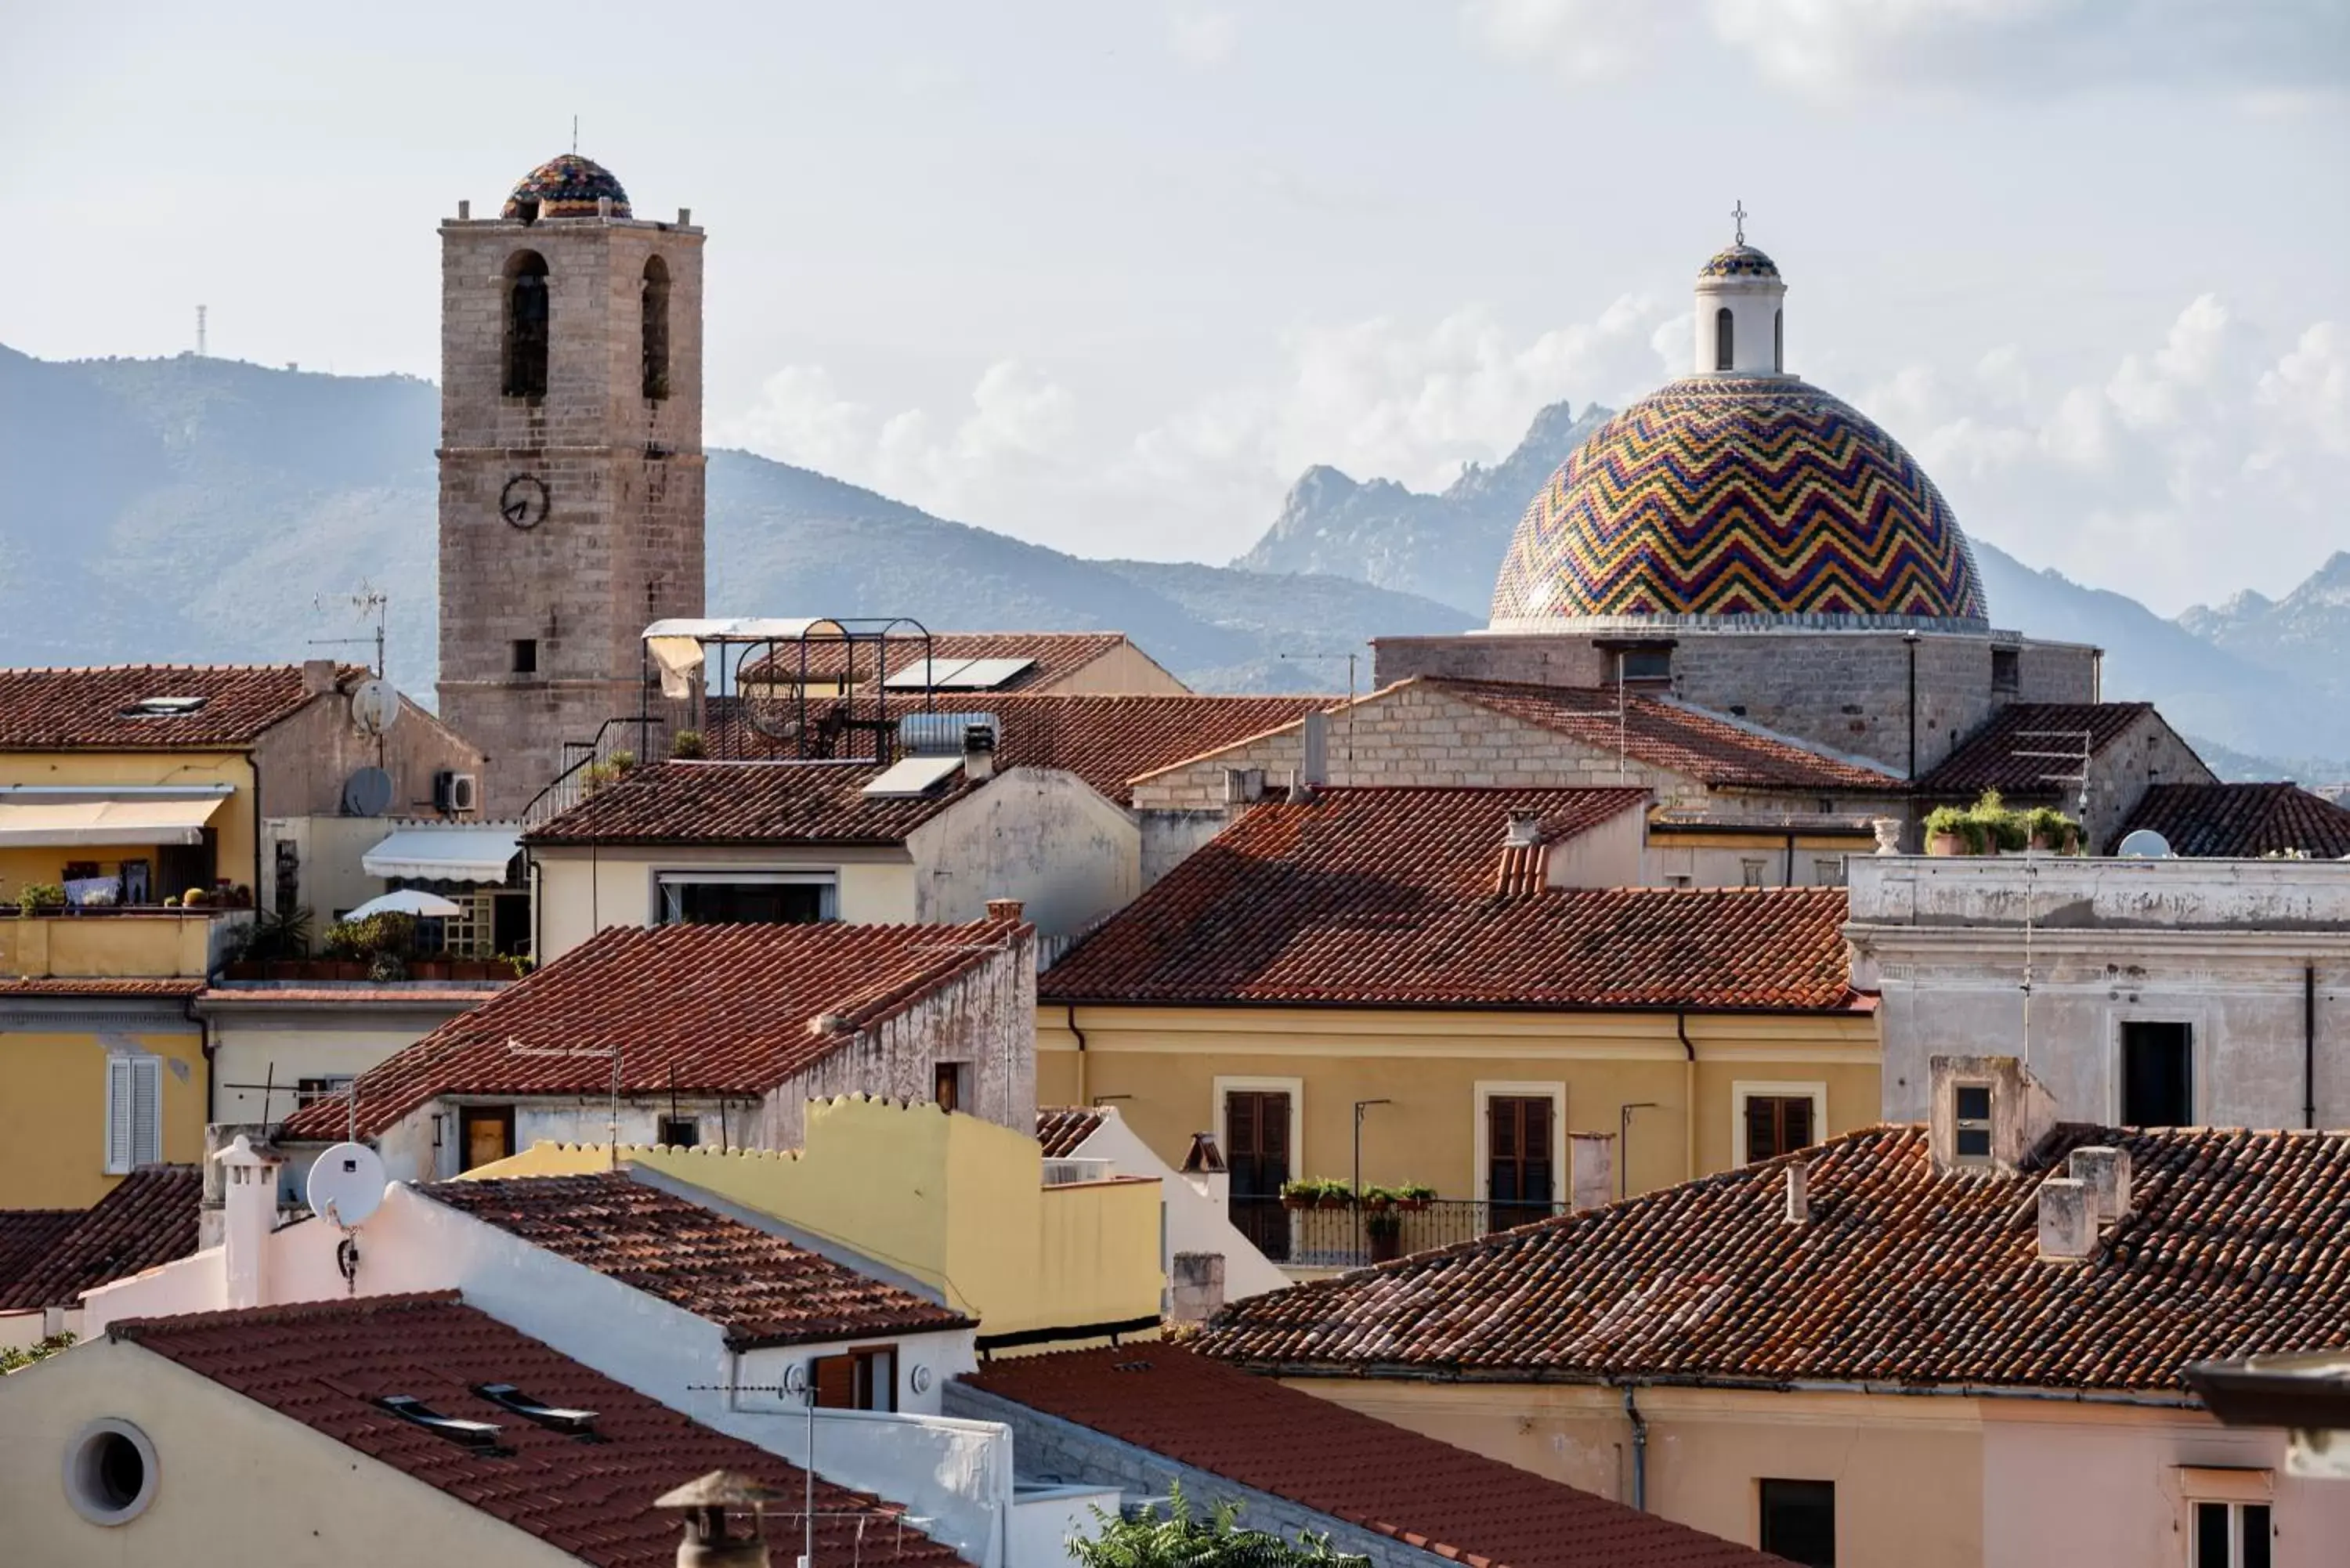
{"points": [[248, 1214], [1591, 1167], [1524, 830], [1799, 1192], [2105, 1172], [318, 677], [2068, 1221], [978, 753], [465, 211], [1196, 1287], [1316, 771], [685, 217], [707, 1542], [1984, 1114], [1204, 1170], [1005, 910]]}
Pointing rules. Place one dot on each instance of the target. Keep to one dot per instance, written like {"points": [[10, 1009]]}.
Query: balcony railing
{"points": [[1350, 1237]]}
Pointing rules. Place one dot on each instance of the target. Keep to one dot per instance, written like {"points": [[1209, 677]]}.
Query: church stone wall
{"points": [[622, 543]]}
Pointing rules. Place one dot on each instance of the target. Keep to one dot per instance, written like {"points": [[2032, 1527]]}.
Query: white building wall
{"points": [[1194, 1222], [582, 891], [1037, 834]]}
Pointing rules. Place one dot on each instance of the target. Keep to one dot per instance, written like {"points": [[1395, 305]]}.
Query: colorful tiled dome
{"points": [[1734, 496], [568, 186], [1739, 260]]}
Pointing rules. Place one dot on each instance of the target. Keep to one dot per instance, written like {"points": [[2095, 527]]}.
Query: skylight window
{"points": [[162, 707]]}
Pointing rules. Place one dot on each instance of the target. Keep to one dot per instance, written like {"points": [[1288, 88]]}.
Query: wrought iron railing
{"points": [[1349, 1236], [589, 765]]}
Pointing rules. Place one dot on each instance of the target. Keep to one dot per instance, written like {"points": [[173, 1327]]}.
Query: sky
{"points": [[1109, 276]]}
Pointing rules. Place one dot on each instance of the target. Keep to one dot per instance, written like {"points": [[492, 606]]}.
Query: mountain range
{"points": [[197, 509]]}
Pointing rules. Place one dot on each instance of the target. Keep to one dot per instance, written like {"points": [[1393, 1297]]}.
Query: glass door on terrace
{"points": [[1256, 1132], [1520, 1168]]}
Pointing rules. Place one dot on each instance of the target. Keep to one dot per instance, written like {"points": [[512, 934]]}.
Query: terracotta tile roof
{"points": [[2235, 1244], [325, 1364], [747, 803], [1056, 654], [98, 986], [704, 1009], [1385, 897], [1109, 741], [1717, 752], [27, 1237], [355, 994], [149, 1217], [2241, 821], [1349, 1466], [760, 1289], [1992, 757], [51, 709], [1061, 1128]]}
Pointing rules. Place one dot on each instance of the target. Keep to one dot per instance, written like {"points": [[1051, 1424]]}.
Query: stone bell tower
{"points": [[571, 464]]}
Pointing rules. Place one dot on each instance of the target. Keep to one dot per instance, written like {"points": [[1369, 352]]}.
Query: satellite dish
{"points": [[2143, 844], [375, 706], [796, 1378], [367, 792], [346, 1185]]}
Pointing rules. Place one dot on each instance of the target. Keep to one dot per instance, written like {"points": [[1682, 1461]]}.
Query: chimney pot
{"points": [[2068, 1221], [465, 211], [1315, 772], [1005, 909], [1799, 1192], [1524, 829], [2105, 1172], [685, 217], [318, 677], [1591, 1168]]}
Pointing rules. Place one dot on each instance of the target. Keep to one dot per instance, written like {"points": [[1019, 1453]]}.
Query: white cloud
{"points": [[1585, 40], [1201, 38], [2210, 439]]}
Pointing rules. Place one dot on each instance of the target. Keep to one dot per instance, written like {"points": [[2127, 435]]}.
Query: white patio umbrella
{"points": [[406, 901]]}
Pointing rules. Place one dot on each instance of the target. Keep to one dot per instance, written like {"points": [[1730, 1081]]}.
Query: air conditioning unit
{"points": [[454, 791]]}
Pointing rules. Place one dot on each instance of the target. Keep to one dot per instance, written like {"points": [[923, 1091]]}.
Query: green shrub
{"points": [[35, 896], [688, 745], [389, 932], [1184, 1540]]}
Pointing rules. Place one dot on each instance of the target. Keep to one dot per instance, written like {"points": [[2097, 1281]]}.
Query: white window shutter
{"points": [[147, 1110], [120, 1114]]}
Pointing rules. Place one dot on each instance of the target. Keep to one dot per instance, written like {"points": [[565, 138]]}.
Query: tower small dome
{"points": [[568, 186], [1741, 260]]}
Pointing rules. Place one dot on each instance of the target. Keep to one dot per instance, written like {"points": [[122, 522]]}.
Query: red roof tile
{"points": [[1385, 897], [2235, 1244], [97, 986], [1056, 655], [1109, 741], [1349, 1466], [759, 1288], [149, 1217], [50, 710], [1717, 752], [325, 1364], [703, 1009], [2241, 821], [1996, 755], [747, 803], [27, 1237], [1061, 1128]]}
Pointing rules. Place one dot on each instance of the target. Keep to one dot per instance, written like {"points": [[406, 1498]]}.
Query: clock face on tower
{"points": [[523, 501]]}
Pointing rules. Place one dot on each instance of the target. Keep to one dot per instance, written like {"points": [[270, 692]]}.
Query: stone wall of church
{"points": [[620, 543]]}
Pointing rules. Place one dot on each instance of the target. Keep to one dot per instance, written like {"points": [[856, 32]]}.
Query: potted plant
{"points": [[1300, 1192], [1413, 1195], [688, 746], [1379, 1200], [1336, 1194], [1384, 1227], [2049, 829], [437, 968], [1950, 830]]}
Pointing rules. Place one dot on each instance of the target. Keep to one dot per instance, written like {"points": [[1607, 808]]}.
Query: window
{"points": [[680, 1132], [525, 656], [527, 326], [1827, 871], [1679, 879], [305, 1090], [1751, 870], [947, 1080], [1520, 1165], [1779, 341], [1723, 355], [487, 1135], [2231, 1535], [1649, 664], [2006, 669], [863, 1379], [134, 1112], [744, 898], [1799, 1522], [1777, 1124], [653, 303], [1971, 1121], [110, 1472], [2157, 1074]]}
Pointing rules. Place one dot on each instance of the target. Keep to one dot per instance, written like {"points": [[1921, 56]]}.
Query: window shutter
{"points": [[119, 1116], [146, 1110]]}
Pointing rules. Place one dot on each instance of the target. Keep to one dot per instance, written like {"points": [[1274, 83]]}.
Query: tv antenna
{"points": [[1352, 658], [2077, 747], [367, 600], [516, 1048]]}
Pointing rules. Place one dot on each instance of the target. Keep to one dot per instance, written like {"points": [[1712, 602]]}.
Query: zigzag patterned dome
{"points": [[1748, 496]]}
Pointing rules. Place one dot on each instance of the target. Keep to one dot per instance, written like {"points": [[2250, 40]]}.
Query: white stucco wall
{"points": [[277, 1046], [1037, 834], [584, 890], [1196, 1223]]}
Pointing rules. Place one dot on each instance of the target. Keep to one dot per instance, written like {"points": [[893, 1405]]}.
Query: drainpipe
{"points": [[1689, 1095], [1639, 1450], [1071, 1009], [205, 1035], [1787, 878], [2309, 1046]]}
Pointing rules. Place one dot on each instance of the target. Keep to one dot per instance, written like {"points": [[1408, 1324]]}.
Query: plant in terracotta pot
{"points": [[2048, 828], [1379, 1200], [1414, 1195], [1950, 831], [1300, 1193], [1384, 1227], [1334, 1193], [688, 746]]}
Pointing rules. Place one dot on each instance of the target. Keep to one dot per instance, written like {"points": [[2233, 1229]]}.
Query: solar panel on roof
{"points": [[957, 674], [913, 777]]}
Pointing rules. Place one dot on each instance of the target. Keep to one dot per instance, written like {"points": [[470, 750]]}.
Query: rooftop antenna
{"points": [[575, 135], [200, 332], [1351, 659], [2078, 745], [367, 600], [515, 1047]]}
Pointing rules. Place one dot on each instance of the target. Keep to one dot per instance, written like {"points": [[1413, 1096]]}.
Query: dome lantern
{"points": [[1740, 325]]}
